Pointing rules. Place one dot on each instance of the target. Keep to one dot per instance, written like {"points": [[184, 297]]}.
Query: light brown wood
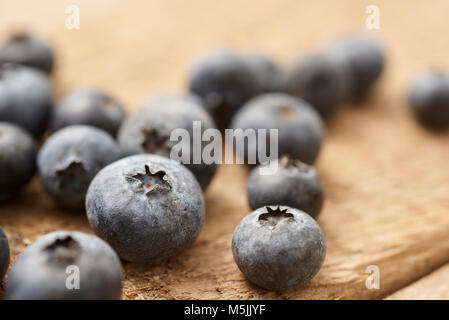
{"points": [[385, 177], [431, 287]]}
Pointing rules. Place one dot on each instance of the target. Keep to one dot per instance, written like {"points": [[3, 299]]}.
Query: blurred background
{"points": [[136, 48]]}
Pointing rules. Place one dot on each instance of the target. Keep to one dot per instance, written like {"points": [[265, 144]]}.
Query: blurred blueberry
{"points": [[429, 99], [27, 49], [225, 81], [364, 59], [89, 107], [318, 80], [17, 159], [300, 128], [25, 97]]}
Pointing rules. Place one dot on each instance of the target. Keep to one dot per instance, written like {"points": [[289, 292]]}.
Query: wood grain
{"points": [[385, 177], [431, 287]]}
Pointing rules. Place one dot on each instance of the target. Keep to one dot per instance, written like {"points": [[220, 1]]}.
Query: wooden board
{"points": [[431, 287], [385, 177]]}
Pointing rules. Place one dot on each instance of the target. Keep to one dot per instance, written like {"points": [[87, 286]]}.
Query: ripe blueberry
{"points": [[66, 265], [225, 81], [25, 97], [278, 247], [364, 61], [148, 130], [300, 128], [294, 184], [429, 99], [70, 159], [318, 80], [267, 72], [147, 207], [17, 159], [4, 254], [26, 49], [90, 107]]}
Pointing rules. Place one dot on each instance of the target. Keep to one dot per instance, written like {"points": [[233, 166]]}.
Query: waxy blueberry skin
{"points": [[147, 207], [266, 71], [70, 159], [4, 254], [148, 130], [278, 247], [89, 107], [225, 81], [49, 269], [17, 159], [300, 128], [294, 184], [29, 50], [25, 97], [363, 58], [429, 99], [318, 80]]}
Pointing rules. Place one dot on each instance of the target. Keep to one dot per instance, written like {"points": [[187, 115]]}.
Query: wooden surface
{"points": [[385, 177], [431, 287]]}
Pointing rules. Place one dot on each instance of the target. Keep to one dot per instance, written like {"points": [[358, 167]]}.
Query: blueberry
{"points": [[225, 81], [70, 159], [147, 207], [27, 49], [65, 265], [294, 184], [319, 80], [17, 159], [267, 72], [364, 60], [300, 126], [148, 129], [4, 254], [90, 107], [278, 247], [429, 99], [25, 97]]}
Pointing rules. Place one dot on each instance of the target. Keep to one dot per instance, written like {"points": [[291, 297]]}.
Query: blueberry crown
{"points": [[153, 182], [273, 216]]}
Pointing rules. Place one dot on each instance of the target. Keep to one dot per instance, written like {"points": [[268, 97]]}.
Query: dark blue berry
{"points": [[70, 159], [294, 184], [278, 247], [318, 80], [225, 81], [363, 58], [300, 128], [17, 159], [148, 130], [27, 49], [89, 107], [267, 72], [147, 207], [429, 99], [48, 269], [25, 97]]}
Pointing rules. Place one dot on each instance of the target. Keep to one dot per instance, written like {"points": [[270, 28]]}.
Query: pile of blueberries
{"points": [[145, 207]]}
